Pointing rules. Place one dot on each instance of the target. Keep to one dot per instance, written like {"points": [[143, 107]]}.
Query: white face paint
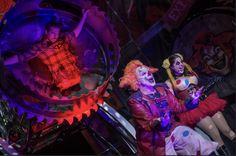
{"points": [[144, 76], [178, 66]]}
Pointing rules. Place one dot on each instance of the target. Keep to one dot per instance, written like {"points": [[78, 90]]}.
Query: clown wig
{"points": [[129, 78]]}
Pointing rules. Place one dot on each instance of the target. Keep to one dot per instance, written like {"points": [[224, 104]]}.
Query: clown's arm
{"points": [[142, 115], [168, 83]]}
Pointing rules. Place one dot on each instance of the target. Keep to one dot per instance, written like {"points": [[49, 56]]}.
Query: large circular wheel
{"points": [[25, 84]]}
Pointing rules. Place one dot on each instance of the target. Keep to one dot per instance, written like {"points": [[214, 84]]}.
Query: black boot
{"points": [[223, 151]]}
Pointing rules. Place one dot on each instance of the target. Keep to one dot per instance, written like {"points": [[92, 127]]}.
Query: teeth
{"points": [[70, 120], [87, 113], [95, 107], [60, 121], [79, 117]]}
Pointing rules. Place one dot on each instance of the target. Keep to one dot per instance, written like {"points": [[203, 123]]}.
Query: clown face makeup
{"points": [[144, 77], [178, 66], [215, 58]]}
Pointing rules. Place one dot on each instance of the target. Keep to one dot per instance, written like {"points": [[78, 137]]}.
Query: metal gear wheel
{"points": [[97, 52]]}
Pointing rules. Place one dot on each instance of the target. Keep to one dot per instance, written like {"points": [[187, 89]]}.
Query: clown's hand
{"points": [[165, 120], [197, 94]]}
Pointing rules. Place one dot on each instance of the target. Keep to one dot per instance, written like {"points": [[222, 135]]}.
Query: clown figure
{"points": [[153, 108]]}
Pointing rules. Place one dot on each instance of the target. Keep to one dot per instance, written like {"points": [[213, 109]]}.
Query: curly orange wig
{"points": [[129, 78]]}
